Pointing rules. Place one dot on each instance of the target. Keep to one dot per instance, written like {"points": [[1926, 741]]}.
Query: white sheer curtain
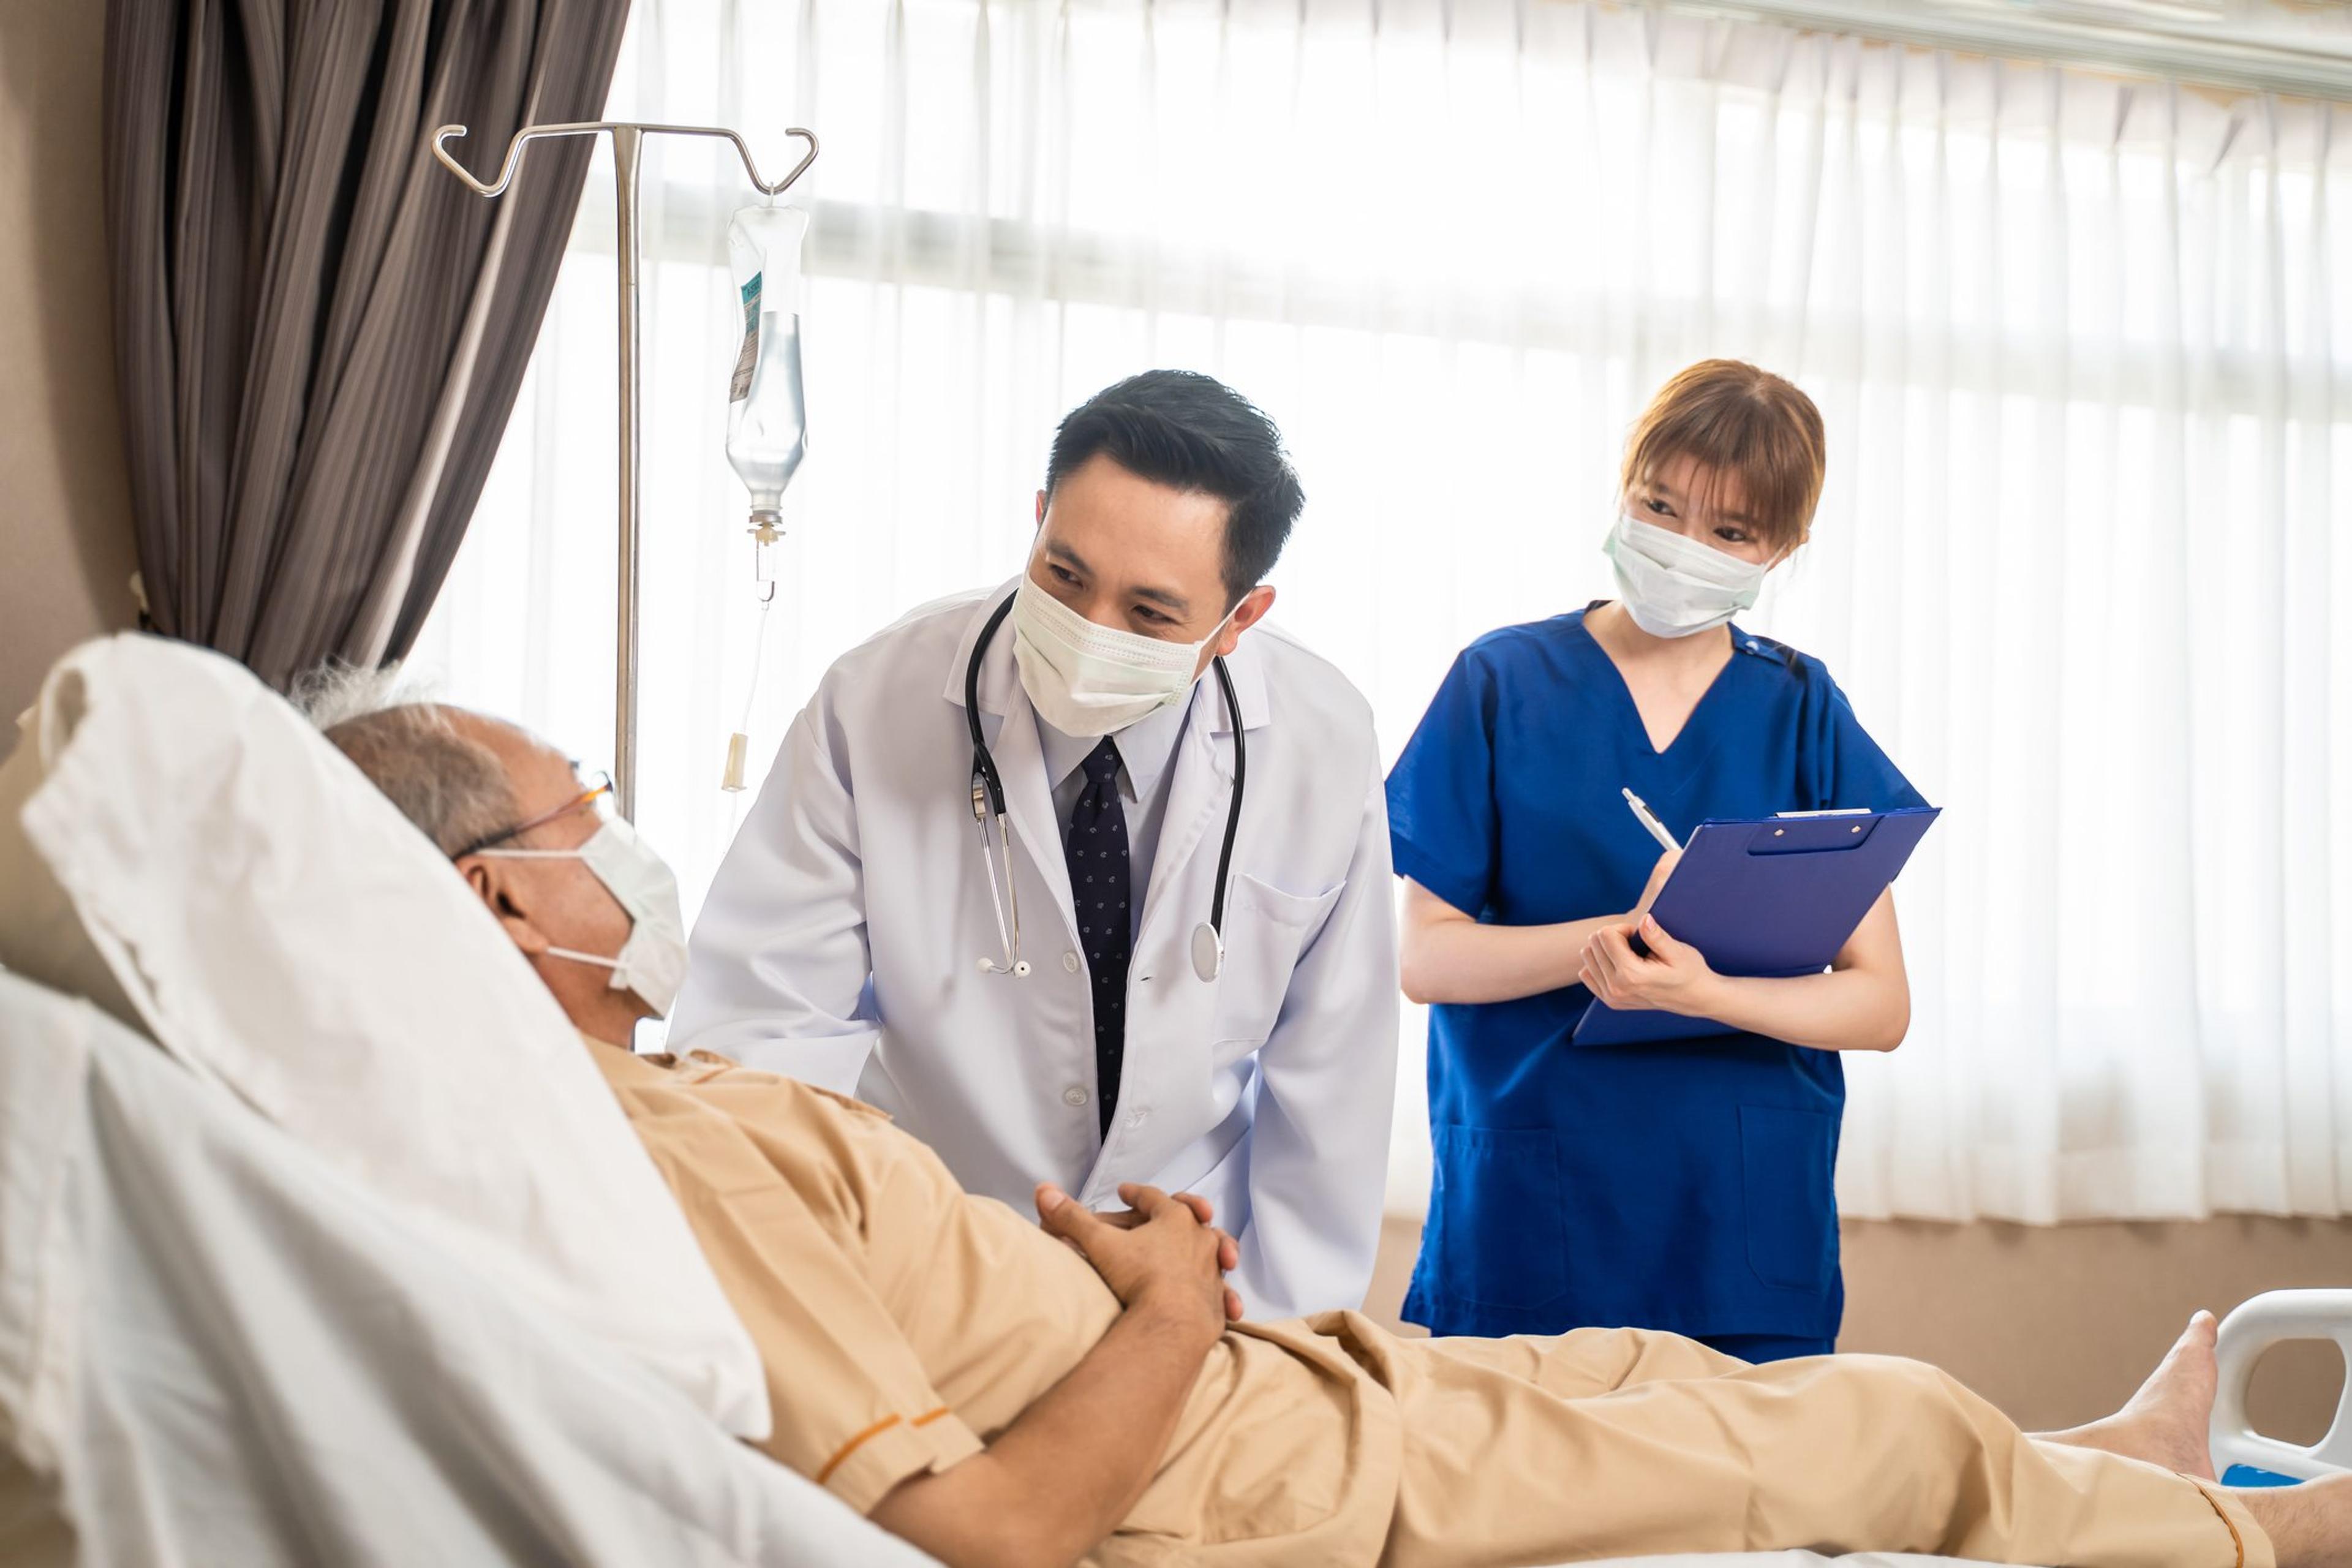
{"points": [[2084, 349]]}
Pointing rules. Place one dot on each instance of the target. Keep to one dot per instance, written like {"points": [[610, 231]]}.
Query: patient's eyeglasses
{"points": [[597, 792]]}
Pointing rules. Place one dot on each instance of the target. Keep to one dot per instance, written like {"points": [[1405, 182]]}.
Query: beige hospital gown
{"points": [[904, 1324]]}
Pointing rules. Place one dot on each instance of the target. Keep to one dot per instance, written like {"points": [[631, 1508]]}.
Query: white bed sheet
{"points": [[215, 1348]]}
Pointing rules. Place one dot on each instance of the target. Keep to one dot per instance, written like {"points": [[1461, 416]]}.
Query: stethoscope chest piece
{"points": [[1208, 952]]}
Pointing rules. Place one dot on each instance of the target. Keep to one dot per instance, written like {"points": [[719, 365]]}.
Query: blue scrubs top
{"points": [[1684, 1185]]}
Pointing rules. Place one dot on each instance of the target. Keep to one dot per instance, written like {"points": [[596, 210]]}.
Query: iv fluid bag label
{"points": [[738, 385]]}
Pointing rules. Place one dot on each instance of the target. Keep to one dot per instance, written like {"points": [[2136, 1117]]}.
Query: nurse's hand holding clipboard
{"points": [[1672, 978], [1863, 1003]]}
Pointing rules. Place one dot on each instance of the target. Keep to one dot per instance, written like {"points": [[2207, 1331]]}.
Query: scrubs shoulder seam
{"points": [[1548, 632]]}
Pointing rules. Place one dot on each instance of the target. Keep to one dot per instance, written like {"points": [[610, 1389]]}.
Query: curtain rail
{"points": [[2062, 34]]}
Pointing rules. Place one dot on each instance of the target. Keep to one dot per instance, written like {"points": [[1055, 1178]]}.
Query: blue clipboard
{"points": [[1769, 898]]}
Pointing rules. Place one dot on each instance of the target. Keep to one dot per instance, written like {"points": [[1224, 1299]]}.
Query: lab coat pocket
{"points": [[1496, 1234], [1786, 1159], [1266, 929]]}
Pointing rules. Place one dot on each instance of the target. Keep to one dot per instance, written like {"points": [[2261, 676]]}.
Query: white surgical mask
{"points": [[1674, 586], [1086, 679], [652, 963]]}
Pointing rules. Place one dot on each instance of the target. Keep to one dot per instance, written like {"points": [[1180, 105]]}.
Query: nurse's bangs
{"points": [[1756, 431]]}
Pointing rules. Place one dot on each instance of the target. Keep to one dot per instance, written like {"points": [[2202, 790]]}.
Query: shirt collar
{"points": [[1145, 747]]}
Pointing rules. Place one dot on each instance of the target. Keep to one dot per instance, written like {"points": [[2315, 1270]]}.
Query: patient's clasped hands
{"points": [[1162, 1253]]}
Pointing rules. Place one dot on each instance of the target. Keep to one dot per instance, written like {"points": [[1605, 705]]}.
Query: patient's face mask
{"points": [[1677, 586], [652, 963], [1086, 679]]}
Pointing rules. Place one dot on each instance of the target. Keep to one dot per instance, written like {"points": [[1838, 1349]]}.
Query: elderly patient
{"points": [[999, 1393]]}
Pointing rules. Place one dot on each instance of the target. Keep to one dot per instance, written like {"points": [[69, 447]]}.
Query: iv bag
{"points": [[767, 420]]}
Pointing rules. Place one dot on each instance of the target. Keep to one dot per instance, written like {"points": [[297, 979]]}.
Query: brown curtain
{"points": [[319, 331]]}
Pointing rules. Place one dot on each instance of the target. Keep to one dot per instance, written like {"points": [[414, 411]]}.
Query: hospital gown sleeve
{"points": [[1441, 794], [777, 969], [1844, 766], [1327, 1090], [854, 1410]]}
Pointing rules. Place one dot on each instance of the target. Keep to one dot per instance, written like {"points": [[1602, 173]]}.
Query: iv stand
{"points": [[627, 139]]}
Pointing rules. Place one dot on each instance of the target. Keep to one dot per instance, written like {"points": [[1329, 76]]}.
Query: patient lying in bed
{"points": [[1001, 1392]]}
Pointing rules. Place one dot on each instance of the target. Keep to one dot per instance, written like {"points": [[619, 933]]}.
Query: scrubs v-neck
{"points": [[1682, 1185]]}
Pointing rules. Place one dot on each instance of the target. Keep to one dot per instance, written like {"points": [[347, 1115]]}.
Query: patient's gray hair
{"points": [[453, 787]]}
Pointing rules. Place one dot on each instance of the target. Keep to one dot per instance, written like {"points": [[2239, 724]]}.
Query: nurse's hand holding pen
{"points": [[1673, 978], [1862, 1002]]}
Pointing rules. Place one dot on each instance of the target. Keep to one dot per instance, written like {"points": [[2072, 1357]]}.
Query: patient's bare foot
{"points": [[2166, 1422]]}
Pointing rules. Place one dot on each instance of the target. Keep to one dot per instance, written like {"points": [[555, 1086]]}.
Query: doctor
{"points": [[1084, 878]]}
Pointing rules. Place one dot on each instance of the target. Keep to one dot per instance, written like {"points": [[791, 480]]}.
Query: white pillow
{"points": [[40, 935], [273, 922]]}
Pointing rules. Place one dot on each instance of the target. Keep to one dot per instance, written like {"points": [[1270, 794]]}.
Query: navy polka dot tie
{"points": [[1096, 852]]}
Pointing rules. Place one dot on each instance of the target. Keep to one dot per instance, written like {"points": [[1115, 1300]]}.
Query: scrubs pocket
{"points": [[1499, 1238], [1785, 1163]]}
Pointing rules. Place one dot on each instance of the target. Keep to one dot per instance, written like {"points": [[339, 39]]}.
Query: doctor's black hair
{"points": [[1193, 432]]}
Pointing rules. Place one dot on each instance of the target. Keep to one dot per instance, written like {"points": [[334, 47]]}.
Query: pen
{"points": [[1657, 829]]}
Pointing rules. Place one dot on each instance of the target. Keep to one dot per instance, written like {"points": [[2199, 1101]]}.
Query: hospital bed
{"points": [[212, 1349], [219, 1345]]}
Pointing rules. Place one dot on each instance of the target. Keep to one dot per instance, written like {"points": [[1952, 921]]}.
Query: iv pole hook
{"points": [[626, 138], [442, 135]]}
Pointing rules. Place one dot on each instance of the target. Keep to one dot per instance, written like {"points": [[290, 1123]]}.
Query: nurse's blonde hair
{"points": [[1752, 427]]}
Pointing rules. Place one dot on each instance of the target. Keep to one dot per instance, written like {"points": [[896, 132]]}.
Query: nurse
{"points": [[1682, 1185], [1084, 877]]}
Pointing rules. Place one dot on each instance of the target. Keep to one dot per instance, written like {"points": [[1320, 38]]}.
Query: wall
{"points": [[65, 510], [2058, 1325]]}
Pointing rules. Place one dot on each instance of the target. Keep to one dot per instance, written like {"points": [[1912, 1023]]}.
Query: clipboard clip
{"points": [[1817, 833]]}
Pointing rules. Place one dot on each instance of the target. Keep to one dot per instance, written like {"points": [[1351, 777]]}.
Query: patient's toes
{"points": [[2189, 1373], [2177, 1398]]}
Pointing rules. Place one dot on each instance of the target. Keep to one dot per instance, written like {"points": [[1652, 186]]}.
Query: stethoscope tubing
{"points": [[988, 791]]}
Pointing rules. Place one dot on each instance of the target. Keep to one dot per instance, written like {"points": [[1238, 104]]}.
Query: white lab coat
{"points": [[842, 938]]}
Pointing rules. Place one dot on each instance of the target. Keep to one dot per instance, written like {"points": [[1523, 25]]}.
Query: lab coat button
{"points": [[1070, 962], [1139, 1117], [1074, 1096]]}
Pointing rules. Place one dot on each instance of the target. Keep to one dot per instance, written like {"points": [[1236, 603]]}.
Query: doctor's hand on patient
{"points": [[1161, 1254], [1673, 978]]}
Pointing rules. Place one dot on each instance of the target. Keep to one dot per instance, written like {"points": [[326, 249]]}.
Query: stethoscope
{"points": [[987, 801]]}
